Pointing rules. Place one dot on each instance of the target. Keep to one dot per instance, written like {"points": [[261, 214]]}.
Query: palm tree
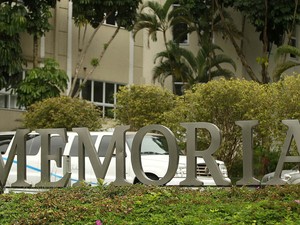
{"points": [[281, 52], [182, 65], [155, 18], [205, 20], [207, 64], [173, 62]]}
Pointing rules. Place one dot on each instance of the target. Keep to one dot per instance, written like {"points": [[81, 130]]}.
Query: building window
{"points": [[111, 20], [179, 88], [98, 91], [109, 93], [102, 94], [180, 31], [87, 91], [7, 100]]}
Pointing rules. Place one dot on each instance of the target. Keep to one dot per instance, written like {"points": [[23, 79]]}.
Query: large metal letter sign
{"points": [[136, 154], [293, 132], [18, 147], [46, 157], [215, 133], [85, 144], [247, 127]]}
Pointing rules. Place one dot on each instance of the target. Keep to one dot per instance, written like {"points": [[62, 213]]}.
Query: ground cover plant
{"points": [[140, 204]]}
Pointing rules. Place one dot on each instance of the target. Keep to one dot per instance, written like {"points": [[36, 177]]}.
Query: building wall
{"points": [[10, 119]]}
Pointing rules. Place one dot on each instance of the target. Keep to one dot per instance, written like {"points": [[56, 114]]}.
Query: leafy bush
{"points": [[63, 112], [221, 102], [42, 83], [141, 105], [141, 204]]}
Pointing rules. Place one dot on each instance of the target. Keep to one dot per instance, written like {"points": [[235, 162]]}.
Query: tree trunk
{"points": [[99, 59], [264, 64], [236, 47], [82, 56], [35, 61]]}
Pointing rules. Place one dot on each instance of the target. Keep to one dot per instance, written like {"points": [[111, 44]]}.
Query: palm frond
{"points": [[220, 59], [286, 49], [222, 73], [282, 67]]}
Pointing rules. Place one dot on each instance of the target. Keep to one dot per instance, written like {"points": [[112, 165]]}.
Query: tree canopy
{"points": [[42, 83], [12, 22], [16, 17], [274, 20]]}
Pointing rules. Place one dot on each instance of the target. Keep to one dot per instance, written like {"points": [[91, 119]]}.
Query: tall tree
{"points": [[172, 63], [272, 19], [208, 65], [184, 66], [154, 17], [207, 19], [94, 13], [12, 22], [37, 17]]}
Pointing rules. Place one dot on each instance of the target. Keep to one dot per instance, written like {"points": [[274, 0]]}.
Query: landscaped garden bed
{"points": [[140, 204]]}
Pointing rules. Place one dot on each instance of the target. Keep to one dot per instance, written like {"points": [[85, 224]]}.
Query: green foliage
{"points": [[17, 17], [172, 63], [95, 62], [221, 102], [140, 204], [93, 12], [154, 17], [284, 65], [38, 15], [139, 106], [286, 103], [188, 68], [280, 16], [41, 83], [63, 112], [12, 22]]}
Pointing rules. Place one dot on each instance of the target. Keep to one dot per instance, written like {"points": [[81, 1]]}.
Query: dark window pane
{"points": [[118, 86], [87, 90], [109, 93], [98, 91], [111, 19], [109, 112], [179, 88], [180, 33]]}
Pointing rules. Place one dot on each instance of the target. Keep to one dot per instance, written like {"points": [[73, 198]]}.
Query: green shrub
{"points": [[63, 112], [222, 102], [141, 105], [142, 204]]}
